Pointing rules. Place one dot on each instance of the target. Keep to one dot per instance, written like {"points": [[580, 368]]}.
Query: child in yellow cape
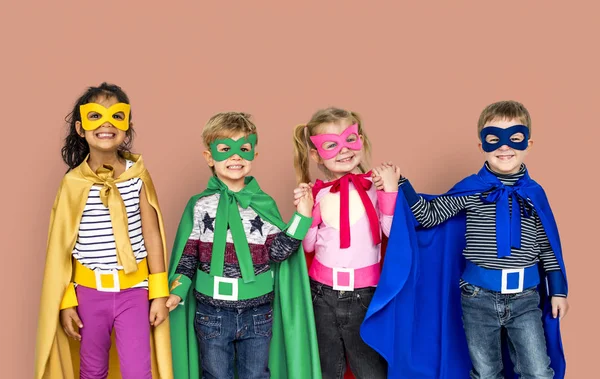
{"points": [[103, 271]]}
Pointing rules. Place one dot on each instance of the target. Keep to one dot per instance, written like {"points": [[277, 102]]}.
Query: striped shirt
{"points": [[95, 246], [480, 234]]}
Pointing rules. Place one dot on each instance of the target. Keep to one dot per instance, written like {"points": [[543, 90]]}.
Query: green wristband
{"points": [[298, 226], [180, 285]]}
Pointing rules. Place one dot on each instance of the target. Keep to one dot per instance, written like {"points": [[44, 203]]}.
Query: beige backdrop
{"points": [[419, 74]]}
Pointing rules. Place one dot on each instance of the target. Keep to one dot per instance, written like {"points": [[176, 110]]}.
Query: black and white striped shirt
{"points": [[95, 246], [480, 234]]}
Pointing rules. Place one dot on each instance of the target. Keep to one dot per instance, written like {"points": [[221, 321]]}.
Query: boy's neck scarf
{"points": [[228, 216], [508, 224]]}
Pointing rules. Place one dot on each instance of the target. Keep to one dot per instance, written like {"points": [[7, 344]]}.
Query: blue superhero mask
{"points": [[504, 137]]}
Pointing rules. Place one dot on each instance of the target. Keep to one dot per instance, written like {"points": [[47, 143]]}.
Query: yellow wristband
{"points": [[158, 285], [69, 299]]}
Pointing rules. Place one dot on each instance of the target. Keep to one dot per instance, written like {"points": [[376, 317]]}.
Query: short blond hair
{"points": [[227, 124], [504, 110]]}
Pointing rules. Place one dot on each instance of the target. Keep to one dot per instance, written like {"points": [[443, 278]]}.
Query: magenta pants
{"points": [[127, 311]]}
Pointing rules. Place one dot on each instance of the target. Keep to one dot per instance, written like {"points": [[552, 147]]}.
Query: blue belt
{"points": [[503, 281]]}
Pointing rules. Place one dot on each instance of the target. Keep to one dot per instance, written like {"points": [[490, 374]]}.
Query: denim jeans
{"points": [[226, 335], [338, 315], [486, 313]]}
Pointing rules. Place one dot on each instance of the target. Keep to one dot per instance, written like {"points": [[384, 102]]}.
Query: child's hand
{"points": [[377, 179], [67, 318], [172, 302], [300, 191], [303, 199], [386, 176], [560, 306], [158, 311]]}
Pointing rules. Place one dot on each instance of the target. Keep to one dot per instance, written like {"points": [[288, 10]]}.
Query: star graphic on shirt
{"points": [[208, 223], [257, 224]]}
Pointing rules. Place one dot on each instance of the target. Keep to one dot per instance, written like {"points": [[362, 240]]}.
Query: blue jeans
{"points": [[226, 334], [486, 313], [338, 315]]}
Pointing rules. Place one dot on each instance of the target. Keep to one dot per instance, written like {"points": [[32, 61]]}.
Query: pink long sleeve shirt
{"points": [[361, 259]]}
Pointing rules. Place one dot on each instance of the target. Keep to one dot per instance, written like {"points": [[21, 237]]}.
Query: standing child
{"points": [[236, 265], [500, 222], [345, 236], [105, 265]]}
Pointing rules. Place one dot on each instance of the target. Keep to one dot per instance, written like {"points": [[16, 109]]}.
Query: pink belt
{"points": [[345, 279]]}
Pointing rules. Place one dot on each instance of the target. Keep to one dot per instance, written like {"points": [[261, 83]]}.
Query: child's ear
{"points": [[79, 129], [314, 154], [209, 159], [255, 154], [529, 144], [480, 145]]}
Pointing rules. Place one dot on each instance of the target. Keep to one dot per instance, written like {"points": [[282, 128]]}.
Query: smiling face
{"points": [[106, 137], [348, 157], [505, 159], [232, 170]]}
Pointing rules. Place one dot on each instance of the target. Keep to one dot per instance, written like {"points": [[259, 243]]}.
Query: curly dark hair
{"points": [[76, 147]]}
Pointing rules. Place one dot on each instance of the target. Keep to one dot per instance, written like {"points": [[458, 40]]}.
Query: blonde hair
{"points": [[504, 110], [227, 124], [303, 144]]}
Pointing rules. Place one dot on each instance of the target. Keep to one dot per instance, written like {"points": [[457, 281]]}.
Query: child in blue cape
{"points": [[493, 251]]}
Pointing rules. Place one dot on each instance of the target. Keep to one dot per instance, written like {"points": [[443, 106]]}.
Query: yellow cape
{"points": [[57, 356]]}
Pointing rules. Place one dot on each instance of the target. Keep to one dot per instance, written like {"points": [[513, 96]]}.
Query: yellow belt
{"points": [[109, 280]]}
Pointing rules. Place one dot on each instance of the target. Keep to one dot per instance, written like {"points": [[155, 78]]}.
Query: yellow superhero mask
{"points": [[117, 115]]}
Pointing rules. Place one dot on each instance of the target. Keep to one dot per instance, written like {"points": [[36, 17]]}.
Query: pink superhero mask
{"points": [[329, 145]]}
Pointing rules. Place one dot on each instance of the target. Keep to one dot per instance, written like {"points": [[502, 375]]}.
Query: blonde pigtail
{"points": [[301, 162]]}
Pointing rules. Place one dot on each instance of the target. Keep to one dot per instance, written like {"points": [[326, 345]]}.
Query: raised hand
{"points": [[303, 199], [386, 176]]}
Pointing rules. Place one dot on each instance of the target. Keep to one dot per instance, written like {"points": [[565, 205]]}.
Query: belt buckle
{"points": [[339, 287], [504, 288], [115, 274], [234, 288]]}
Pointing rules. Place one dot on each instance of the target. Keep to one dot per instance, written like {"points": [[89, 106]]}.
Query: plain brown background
{"points": [[419, 73]]}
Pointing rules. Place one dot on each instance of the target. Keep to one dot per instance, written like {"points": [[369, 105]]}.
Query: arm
{"points": [[556, 282], [288, 241], [385, 179], [158, 287], [434, 212], [310, 240], [281, 244], [152, 236], [386, 202], [557, 287], [68, 313], [187, 265]]}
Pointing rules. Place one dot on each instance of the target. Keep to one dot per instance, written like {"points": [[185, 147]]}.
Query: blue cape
{"points": [[414, 320]]}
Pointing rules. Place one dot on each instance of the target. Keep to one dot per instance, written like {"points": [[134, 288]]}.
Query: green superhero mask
{"points": [[235, 147]]}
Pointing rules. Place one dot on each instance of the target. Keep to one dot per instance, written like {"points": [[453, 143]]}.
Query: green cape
{"points": [[294, 351]]}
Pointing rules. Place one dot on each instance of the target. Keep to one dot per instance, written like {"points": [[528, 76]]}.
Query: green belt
{"points": [[221, 288]]}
